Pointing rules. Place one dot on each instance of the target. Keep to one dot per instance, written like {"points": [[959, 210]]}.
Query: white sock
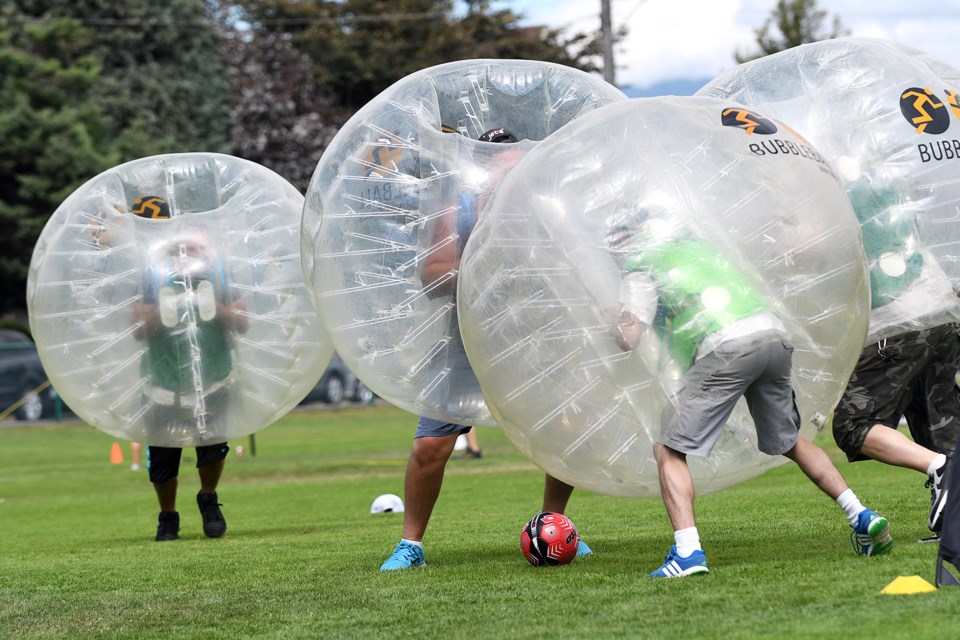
{"points": [[416, 543], [851, 505], [937, 463], [687, 541]]}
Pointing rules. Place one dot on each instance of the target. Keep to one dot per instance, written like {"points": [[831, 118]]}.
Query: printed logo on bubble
{"points": [[925, 111], [749, 121], [752, 122]]}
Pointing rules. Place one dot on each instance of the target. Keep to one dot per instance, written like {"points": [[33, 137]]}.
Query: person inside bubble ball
{"points": [[186, 310], [435, 440], [901, 373], [695, 304]]}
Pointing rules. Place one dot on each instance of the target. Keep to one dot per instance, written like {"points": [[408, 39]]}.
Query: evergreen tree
{"points": [[797, 22], [164, 81], [52, 138], [88, 84]]}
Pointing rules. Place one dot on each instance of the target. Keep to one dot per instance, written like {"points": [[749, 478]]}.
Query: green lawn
{"points": [[301, 557]]}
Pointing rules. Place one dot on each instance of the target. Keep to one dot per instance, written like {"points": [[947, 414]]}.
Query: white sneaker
{"points": [[938, 499]]}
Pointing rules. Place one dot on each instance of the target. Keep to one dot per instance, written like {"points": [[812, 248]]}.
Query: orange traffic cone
{"points": [[116, 455]]}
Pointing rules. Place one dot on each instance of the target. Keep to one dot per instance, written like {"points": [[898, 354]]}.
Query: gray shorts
{"points": [[428, 427], [758, 371]]}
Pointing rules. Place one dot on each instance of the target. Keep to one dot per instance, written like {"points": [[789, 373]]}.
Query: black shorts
{"points": [[163, 463], [911, 375]]}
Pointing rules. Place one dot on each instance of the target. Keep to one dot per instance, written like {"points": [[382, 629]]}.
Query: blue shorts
{"points": [[428, 427]]}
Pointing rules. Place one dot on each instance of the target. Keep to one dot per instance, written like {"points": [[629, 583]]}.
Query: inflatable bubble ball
{"points": [[392, 203], [636, 252], [167, 300], [888, 117]]}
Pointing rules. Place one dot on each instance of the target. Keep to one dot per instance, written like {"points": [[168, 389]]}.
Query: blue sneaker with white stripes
{"points": [[871, 536], [675, 566], [405, 556]]}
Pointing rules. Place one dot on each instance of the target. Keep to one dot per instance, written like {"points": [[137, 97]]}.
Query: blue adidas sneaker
{"points": [[405, 556], [871, 536], [674, 566], [583, 549]]}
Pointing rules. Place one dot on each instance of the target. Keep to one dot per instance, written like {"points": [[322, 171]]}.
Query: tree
{"points": [[52, 138], [88, 84], [496, 34], [361, 47], [278, 117], [797, 22], [164, 81]]}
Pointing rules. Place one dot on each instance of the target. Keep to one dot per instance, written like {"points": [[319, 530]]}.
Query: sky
{"points": [[695, 39]]}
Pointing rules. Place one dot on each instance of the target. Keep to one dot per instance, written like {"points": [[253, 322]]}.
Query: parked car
{"points": [[22, 376], [337, 384]]}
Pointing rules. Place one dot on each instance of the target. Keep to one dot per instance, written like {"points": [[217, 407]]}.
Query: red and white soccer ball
{"points": [[549, 539]]}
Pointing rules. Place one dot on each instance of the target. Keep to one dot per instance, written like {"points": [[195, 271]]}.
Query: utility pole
{"points": [[606, 32]]}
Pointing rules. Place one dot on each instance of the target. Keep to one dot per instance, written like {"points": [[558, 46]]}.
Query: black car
{"points": [[22, 378], [337, 384]]}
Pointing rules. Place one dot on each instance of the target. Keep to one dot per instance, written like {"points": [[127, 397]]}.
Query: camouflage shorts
{"points": [[912, 375]]}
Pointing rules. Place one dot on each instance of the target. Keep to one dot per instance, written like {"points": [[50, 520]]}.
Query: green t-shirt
{"points": [[886, 232], [170, 358], [700, 293]]}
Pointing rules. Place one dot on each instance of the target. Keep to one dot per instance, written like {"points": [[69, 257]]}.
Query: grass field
{"points": [[301, 557]]}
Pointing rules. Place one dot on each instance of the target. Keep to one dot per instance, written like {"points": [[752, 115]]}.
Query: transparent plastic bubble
{"points": [[187, 322], [392, 203], [887, 116], [744, 248]]}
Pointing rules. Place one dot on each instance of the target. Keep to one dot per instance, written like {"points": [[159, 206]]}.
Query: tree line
{"points": [[86, 85]]}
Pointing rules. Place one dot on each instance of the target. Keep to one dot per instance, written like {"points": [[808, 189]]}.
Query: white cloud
{"points": [[696, 39], [681, 39]]}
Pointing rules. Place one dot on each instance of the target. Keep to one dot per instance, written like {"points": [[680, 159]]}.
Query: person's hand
{"points": [[232, 316], [628, 330], [146, 317]]}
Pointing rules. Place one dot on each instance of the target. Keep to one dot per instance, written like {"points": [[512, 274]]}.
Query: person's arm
{"points": [[439, 273], [147, 318], [638, 307], [146, 313], [231, 316]]}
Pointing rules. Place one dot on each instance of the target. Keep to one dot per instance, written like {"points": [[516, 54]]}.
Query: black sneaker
{"points": [[214, 524], [938, 498], [474, 453], [168, 525]]}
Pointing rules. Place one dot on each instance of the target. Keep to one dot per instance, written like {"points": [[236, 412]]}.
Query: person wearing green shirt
{"points": [[729, 343], [186, 317]]}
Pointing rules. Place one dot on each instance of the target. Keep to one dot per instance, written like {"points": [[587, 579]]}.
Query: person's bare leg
{"points": [[167, 494], [676, 486], [210, 476], [424, 478], [135, 455], [556, 494], [472, 442], [817, 465], [892, 447]]}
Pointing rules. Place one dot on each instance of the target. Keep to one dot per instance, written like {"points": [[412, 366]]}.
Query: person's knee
{"points": [[663, 453], [850, 436], [432, 451]]}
